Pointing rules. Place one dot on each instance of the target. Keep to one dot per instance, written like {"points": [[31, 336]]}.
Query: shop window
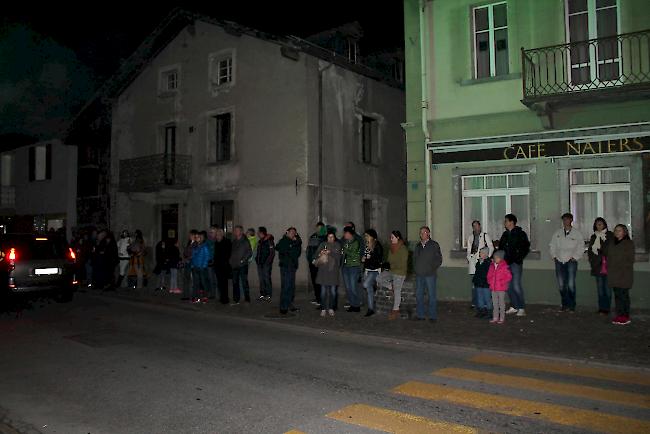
{"points": [[488, 198], [600, 193]]}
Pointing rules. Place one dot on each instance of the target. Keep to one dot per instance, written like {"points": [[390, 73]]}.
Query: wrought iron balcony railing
{"points": [[619, 62], [155, 172]]}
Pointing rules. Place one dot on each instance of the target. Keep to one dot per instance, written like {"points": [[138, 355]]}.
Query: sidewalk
{"points": [[582, 335]]}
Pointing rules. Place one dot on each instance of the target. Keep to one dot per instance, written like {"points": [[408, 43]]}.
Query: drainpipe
{"points": [[424, 37], [320, 139]]}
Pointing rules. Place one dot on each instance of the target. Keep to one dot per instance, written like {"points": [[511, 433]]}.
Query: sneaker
{"points": [[323, 313], [315, 302], [236, 303], [511, 311], [625, 320], [204, 300], [331, 312], [267, 298], [196, 300], [370, 312], [493, 321], [294, 309], [521, 312], [346, 306], [261, 298], [500, 321], [563, 309]]}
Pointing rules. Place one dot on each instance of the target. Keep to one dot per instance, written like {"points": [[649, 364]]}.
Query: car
{"points": [[35, 266]]}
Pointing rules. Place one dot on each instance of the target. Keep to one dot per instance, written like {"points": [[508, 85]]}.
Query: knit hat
{"points": [[348, 229], [372, 233], [485, 250], [499, 254]]}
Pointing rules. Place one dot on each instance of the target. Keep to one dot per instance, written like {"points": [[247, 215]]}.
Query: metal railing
{"points": [[591, 65], [155, 172]]}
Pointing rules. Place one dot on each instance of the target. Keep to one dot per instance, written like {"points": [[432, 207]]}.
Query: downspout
{"points": [[424, 38], [320, 140]]}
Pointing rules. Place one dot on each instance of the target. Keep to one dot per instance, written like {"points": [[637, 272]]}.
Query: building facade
{"points": [[228, 126], [38, 187], [534, 108]]}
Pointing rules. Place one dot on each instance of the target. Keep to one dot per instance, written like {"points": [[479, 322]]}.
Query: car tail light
{"points": [[73, 256]]}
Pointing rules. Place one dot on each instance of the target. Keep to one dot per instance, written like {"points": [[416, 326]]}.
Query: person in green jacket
{"points": [[397, 264], [352, 267]]}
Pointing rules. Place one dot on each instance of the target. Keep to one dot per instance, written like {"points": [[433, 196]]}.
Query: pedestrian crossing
{"points": [[622, 411]]}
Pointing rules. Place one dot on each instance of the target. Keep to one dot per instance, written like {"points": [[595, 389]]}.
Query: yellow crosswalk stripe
{"points": [[588, 392], [570, 416], [566, 368], [394, 421], [294, 431]]}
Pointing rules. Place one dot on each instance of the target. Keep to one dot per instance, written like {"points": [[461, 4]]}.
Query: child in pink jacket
{"points": [[499, 277]]}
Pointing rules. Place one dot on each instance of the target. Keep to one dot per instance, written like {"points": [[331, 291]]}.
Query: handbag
{"points": [[603, 266], [321, 260]]}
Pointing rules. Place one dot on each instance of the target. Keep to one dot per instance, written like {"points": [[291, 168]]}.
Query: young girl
{"points": [[499, 277], [480, 281]]}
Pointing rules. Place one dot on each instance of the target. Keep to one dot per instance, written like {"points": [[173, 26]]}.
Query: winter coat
{"points": [[241, 252], [329, 273], [596, 259], [499, 276], [620, 264], [265, 250], [427, 259], [372, 259], [399, 260], [222, 254], [565, 247], [515, 244], [484, 240], [200, 255], [166, 257], [480, 279], [289, 251], [352, 252]]}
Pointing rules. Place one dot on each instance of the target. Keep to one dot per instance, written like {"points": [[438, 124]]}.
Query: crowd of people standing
{"points": [[205, 264]]}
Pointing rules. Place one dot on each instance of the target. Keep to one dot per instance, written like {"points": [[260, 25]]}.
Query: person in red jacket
{"points": [[499, 277]]}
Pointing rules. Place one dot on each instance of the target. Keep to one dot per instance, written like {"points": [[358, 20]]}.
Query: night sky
{"points": [[52, 59]]}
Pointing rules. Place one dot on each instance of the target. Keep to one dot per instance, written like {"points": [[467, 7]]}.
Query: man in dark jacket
{"points": [[289, 249], [221, 264], [264, 260], [315, 240], [427, 258], [239, 256], [514, 242]]}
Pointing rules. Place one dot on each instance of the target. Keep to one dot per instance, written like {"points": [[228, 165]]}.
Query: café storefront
{"points": [[589, 172]]}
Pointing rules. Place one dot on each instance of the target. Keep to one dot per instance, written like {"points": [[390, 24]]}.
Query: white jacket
{"points": [[122, 247], [484, 240], [564, 247]]}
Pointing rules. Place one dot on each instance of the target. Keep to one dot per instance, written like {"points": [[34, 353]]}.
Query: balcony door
{"points": [[170, 154], [594, 53]]}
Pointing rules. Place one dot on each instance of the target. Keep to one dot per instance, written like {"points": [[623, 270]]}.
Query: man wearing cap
{"points": [[566, 248]]}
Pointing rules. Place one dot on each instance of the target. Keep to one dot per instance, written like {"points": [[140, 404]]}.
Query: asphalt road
{"points": [[105, 365]]}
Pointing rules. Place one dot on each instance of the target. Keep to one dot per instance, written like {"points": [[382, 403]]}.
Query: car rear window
{"points": [[30, 247]]}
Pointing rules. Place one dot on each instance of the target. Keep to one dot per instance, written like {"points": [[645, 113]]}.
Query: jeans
{"points": [[395, 282], [515, 290], [201, 278], [313, 272], [324, 302], [475, 301], [351, 278], [264, 274], [565, 274], [240, 277], [499, 302], [622, 296], [173, 278], [483, 298], [604, 294], [222, 272], [428, 283], [288, 283], [369, 284], [187, 282]]}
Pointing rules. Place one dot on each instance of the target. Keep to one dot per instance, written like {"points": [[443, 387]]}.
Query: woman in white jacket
{"points": [[475, 242]]}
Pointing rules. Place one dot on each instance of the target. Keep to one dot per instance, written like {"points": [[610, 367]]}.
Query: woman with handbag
{"points": [[597, 252], [395, 270], [328, 260]]}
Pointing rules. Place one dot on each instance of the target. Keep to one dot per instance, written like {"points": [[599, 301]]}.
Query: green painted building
{"points": [[535, 107]]}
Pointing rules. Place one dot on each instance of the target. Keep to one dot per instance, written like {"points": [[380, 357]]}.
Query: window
{"points": [[222, 214], [591, 19], [169, 80], [220, 137], [488, 198], [490, 27], [222, 69], [369, 136], [600, 193], [40, 162]]}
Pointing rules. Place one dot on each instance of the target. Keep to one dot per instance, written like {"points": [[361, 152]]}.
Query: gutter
{"points": [[320, 139], [424, 37]]}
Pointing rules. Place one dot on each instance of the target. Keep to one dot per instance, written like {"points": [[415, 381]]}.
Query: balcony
{"points": [[155, 172], [612, 69]]}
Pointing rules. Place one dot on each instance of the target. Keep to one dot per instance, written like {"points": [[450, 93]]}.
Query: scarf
{"points": [[600, 236]]}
